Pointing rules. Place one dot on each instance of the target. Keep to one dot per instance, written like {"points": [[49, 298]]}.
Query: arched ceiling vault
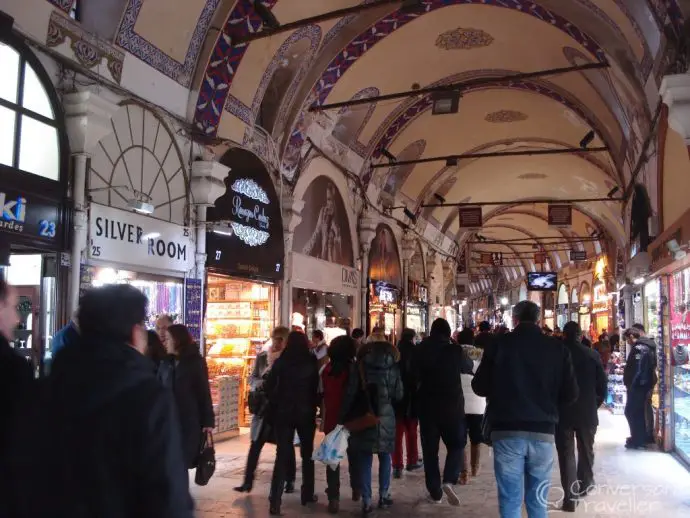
{"points": [[388, 50]]}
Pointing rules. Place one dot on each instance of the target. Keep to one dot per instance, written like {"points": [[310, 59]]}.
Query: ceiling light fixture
{"points": [[445, 102], [390, 156], [140, 206], [587, 139], [439, 197], [613, 191], [266, 15], [411, 215], [638, 281], [452, 162]]}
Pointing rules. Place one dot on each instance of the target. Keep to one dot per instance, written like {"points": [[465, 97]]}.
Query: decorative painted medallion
{"points": [[505, 116], [464, 39]]}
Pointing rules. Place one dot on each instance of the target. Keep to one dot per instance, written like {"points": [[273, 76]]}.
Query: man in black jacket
{"points": [[103, 431], [579, 420], [15, 377], [441, 403], [485, 337], [639, 377], [525, 376], [648, 409]]}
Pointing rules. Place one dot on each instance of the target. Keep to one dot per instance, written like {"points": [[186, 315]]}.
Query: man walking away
{"points": [[639, 377], [406, 421], [649, 411], [485, 336], [114, 448], [441, 364], [579, 420], [525, 376]]}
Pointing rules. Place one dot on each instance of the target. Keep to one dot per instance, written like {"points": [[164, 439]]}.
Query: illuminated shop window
{"points": [[27, 120]]}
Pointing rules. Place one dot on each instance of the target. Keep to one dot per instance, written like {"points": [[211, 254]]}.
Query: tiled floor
{"points": [[630, 484]]}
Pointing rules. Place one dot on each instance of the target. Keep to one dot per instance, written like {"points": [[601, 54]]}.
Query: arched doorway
{"points": [[562, 306], [586, 309], [574, 305]]}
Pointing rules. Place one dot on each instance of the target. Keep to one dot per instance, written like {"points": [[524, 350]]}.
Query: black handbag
{"points": [[206, 464], [363, 414]]}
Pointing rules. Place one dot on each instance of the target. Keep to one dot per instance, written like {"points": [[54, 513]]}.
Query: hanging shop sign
{"points": [[193, 298], [29, 218], [578, 255], [384, 293], [584, 309], [129, 238], [245, 235], [560, 216], [540, 258], [470, 217], [600, 303]]}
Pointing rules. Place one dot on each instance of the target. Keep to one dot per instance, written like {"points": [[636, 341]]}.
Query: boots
{"points": [[475, 453], [464, 474]]}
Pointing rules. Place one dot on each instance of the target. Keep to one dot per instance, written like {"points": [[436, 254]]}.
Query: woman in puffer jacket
{"points": [[474, 413]]}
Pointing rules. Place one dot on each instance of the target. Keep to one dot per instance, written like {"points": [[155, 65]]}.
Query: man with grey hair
{"points": [[526, 377]]}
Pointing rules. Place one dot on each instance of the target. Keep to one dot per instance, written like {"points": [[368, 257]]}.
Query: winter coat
{"points": [[645, 375], [591, 380], [381, 373], [484, 339], [193, 397], [256, 381], [334, 387], [440, 365], [527, 377], [474, 404], [292, 386], [64, 337], [406, 408], [113, 449]]}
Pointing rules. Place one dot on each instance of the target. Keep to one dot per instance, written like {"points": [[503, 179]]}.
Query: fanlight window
{"points": [[27, 122]]}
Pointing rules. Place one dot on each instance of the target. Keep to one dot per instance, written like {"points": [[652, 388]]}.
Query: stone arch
{"points": [[352, 120]]}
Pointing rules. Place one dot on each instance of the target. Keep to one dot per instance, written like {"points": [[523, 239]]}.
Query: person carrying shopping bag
{"points": [[474, 414], [334, 381]]}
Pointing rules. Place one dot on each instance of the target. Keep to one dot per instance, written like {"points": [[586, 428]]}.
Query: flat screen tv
{"points": [[542, 281]]}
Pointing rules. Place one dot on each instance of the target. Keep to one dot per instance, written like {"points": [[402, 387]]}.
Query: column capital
{"points": [[675, 92], [292, 213], [206, 182], [409, 247], [367, 231], [88, 119]]}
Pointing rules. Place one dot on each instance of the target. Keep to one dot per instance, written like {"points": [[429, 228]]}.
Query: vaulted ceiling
{"points": [[273, 81]]}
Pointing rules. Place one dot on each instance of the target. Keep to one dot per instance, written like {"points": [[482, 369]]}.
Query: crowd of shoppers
{"points": [[129, 409]]}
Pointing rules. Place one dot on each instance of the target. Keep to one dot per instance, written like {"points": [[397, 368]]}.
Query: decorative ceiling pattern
{"points": [[226, 58], [130, 40], [464, 39], [502, 116]]}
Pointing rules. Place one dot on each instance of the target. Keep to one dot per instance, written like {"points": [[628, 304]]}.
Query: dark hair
{"points": [[526, 311], [484, 326], [296, 345], [614, 340], [318, 334], [341, 352], [357, 333], [155, 348], [639, 327], [4, 289], [572, 332], [110, 312], [183, 342], [465, 337], [440, 328], [407, 335]]}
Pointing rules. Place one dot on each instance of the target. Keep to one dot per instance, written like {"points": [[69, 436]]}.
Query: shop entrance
{"points": [[34, 276]]}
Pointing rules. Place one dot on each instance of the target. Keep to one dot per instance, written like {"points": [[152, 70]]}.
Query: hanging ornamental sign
{"points": [[249, 208]]}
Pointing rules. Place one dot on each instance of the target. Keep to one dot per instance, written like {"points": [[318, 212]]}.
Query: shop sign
{"points": [[385, 293], [129, 238], [584, 309], [560, 216], [29, 216], [470, 217], [578, 255], [193, 300], [350, 278]]}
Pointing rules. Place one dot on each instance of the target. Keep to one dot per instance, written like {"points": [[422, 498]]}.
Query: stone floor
{"points": [[630, 484]]}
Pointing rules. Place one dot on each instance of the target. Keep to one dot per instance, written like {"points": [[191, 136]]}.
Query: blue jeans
{"points": [[523, 470], [365, 461]]}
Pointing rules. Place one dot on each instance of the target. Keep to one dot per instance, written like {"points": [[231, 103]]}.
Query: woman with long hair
{"points": [[292, 389], [334, 379], [191, 390]]}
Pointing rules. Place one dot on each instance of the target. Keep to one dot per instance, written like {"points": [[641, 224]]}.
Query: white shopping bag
{"points": [[333, 448]]}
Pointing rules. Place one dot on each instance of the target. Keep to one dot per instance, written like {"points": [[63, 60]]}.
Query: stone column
{"points": [[675, 92], [292, 216], [408, 250], [367, 232], [88, 117]]}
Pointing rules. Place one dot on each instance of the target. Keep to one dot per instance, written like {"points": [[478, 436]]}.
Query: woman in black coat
{"points": [[292, 385], [191, 390], [406, 422]]}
